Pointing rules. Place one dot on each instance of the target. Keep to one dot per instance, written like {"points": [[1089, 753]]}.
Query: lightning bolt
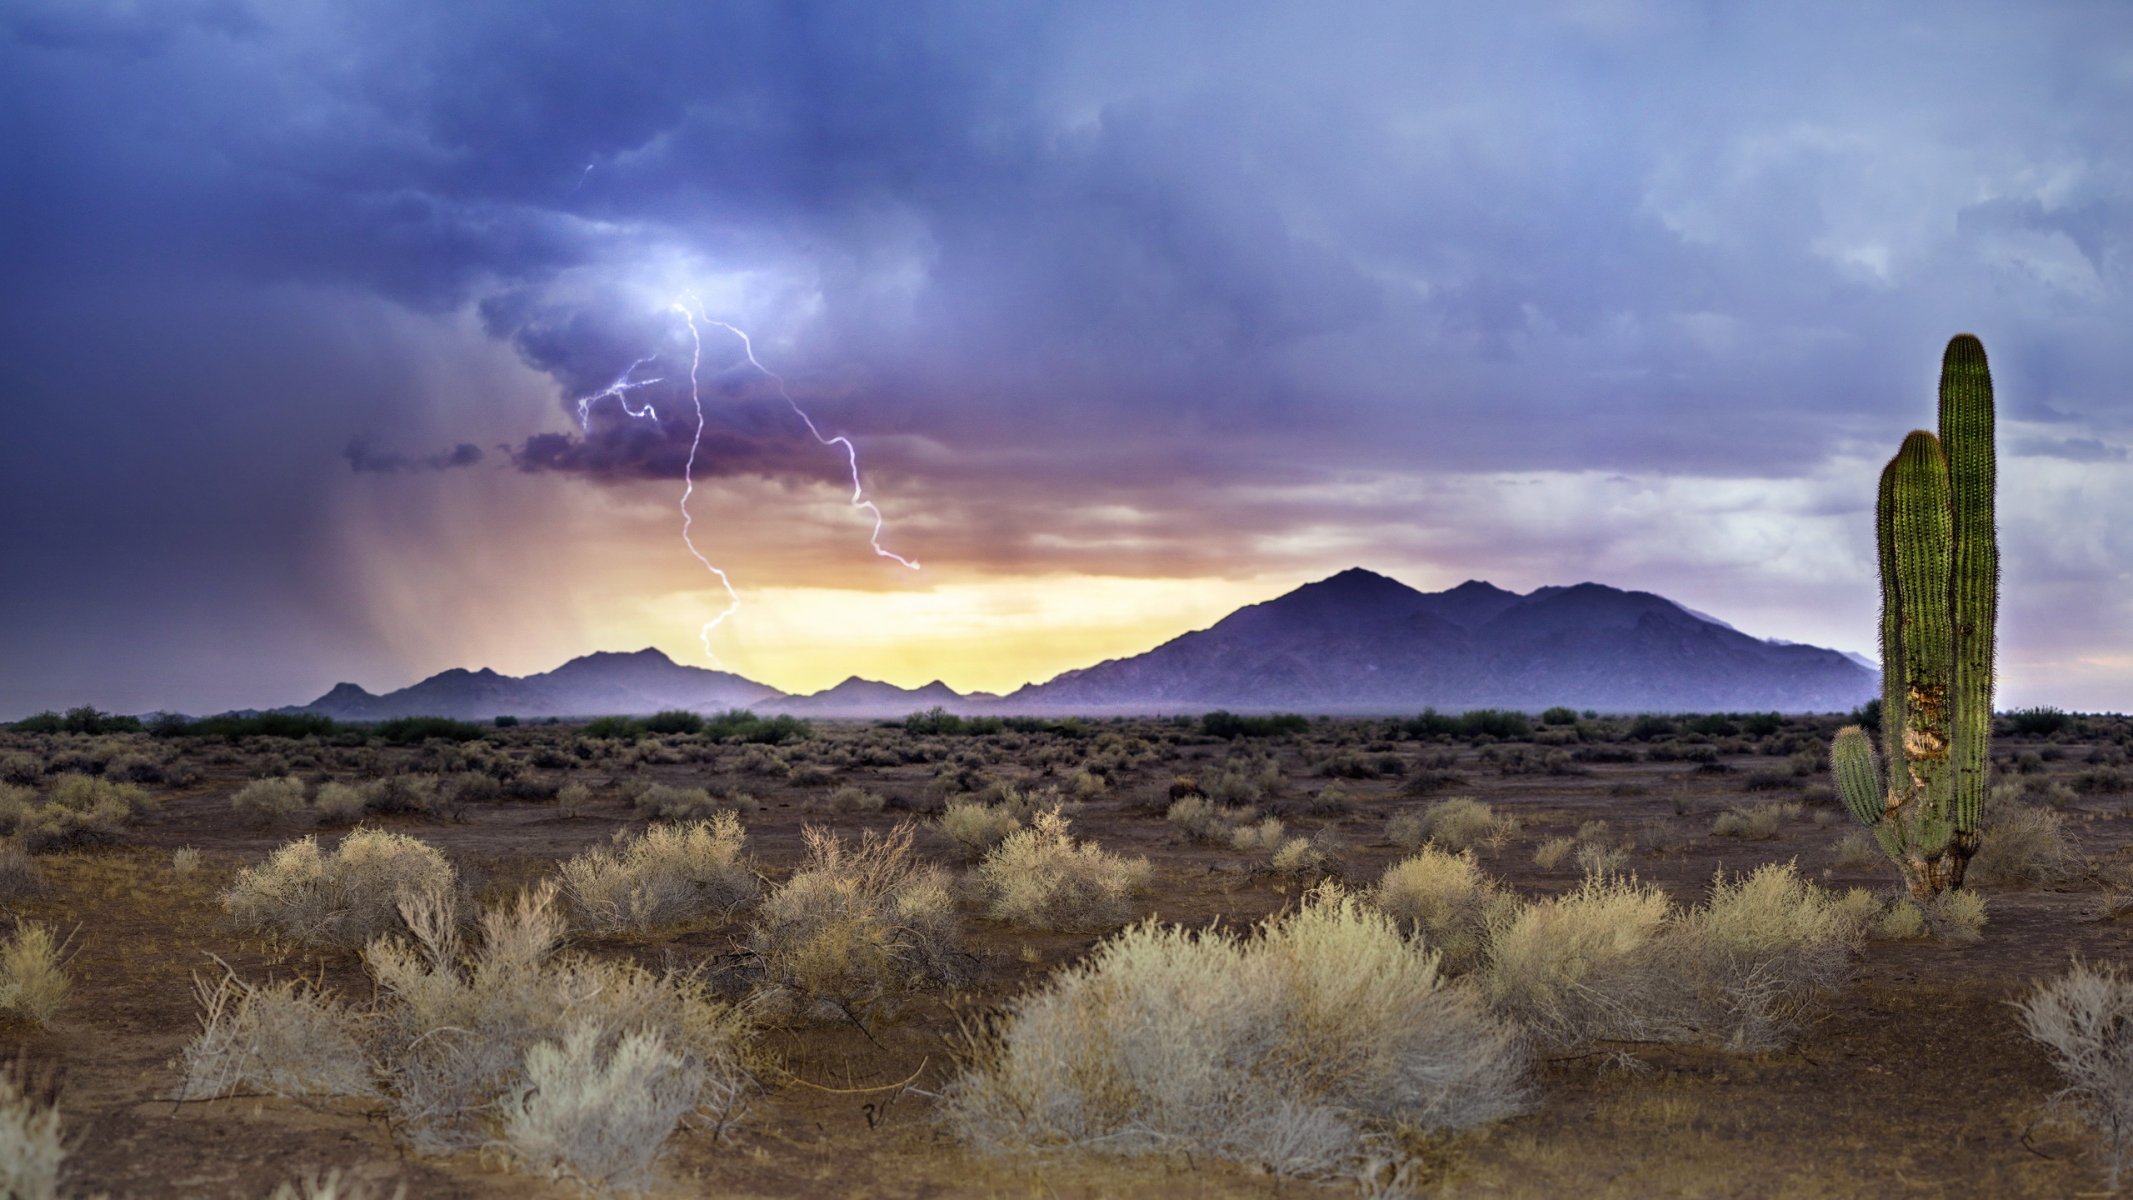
{"points": [[624, 384]]}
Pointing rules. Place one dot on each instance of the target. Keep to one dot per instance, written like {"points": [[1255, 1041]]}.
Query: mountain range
{"points": [[1355, 642]]}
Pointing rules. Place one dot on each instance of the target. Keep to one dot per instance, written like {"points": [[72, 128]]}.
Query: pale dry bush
{"points": [[1760, 822], [1462, 823], [599, 1113], [1949, 917], [1598, 858], [851, 798], [339, 803], [2085, 1018], [32, 1152], [976, 827], [1262, 837], [670, 875], [1615, 959], [72, 810], [1857, 850], [573, 799], [2021, 843], [1447, 900], [1549, 854], [286, 1039], [454, 1027], [1205, 820], [1289, 1048], [1041, 878], [33, 972], [263, 803], [184, 861], [340, 899], [18, 871], [856, 931], [332, 1185]]}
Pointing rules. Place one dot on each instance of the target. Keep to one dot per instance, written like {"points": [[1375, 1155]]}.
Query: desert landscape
{"points": [[1898, 1061]]}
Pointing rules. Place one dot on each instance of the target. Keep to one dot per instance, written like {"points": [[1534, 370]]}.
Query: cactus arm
{"points": [[1851, 759], [1922, 521], [1891, 634], [1966, 432]]}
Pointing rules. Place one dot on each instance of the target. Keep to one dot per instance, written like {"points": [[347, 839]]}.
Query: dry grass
{"points": [[340, 899], [18, 871], [976, 827], [598, 1109], [332, 1185], [285, 1039], [1207, 821], [856, 931], [1041, 878], [264, 803], [1457, 824], [1447, 900], [33, 973], [2085, 1018], [2021, 844], [668, 876], [72, 810], [1616, 960], [32, 1152], [1288, 1049]]}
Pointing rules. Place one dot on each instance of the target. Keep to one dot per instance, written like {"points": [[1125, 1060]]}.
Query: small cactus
{"points": [[1939, 555]]}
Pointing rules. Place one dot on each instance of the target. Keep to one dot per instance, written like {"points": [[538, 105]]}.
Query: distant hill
{"points": [[1360, 642], [1356, 642], [594, 685]]}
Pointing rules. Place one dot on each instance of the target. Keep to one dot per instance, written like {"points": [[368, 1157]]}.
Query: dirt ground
{"points": [[1917, 1081]]}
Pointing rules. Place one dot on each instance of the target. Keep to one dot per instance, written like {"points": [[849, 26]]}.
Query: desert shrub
{"points": [[344, 898], [740, 725], [1615, 959], [285, 1039], [1262, 836], [2085, 1019], [267, 802], [665, 802], [73, 810], [618, 728], [1040, 877], [1447, 900], [135, 768], [852, 798], [454, 1035], [184, 861], [573, 799], [1559, 715], [1531, 760], [339, 803], [2021, 843], [976, 827], [1460, 823], [2103, 781], [1550, 854], [18, 871], [856, 930], [1599, 858], [1205, 820], [1286, 1049], [21, 768], [1857, 850], [332, 1185], [33, 973], [401, 794], [669, 875], [1501, 723], [674, 720], [1298, 856], [2037, 722], [1760, 822], [413, 731], [1221, 724], [231, 727], [599, 1115], [32, 1152]]}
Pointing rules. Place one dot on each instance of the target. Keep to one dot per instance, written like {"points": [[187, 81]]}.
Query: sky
{"points": [[1133, 313]]}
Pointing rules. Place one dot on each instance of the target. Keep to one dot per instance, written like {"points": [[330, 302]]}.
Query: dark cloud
{"points": [[1037, 261], [364, 460]]}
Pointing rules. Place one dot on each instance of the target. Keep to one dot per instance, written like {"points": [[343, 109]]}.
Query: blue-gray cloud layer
{"points": [[1134, 250]]}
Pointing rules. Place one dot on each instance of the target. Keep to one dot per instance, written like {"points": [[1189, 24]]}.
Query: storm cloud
{"points": [[1249, 290]]}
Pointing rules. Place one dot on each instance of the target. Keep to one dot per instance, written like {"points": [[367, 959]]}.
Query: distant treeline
{"points": [[741, 725]]}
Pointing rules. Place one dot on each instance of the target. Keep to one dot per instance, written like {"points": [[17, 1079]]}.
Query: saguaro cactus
{"points": [[1940, 566]]}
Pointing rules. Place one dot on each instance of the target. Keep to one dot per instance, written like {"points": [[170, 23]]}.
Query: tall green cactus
{"points": [[1940, 565]]}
